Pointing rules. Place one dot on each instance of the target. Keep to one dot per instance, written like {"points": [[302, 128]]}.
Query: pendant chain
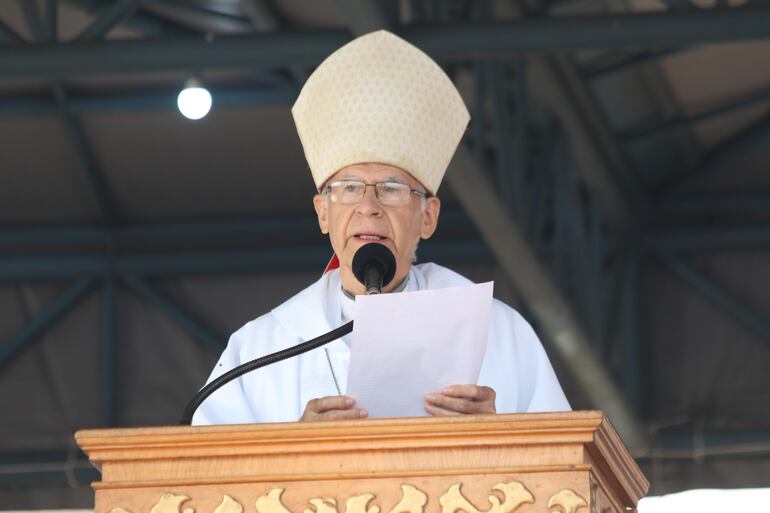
{"points": [[331, 368]]}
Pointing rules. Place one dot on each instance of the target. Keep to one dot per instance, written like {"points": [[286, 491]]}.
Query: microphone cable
{"points": [[257, 363]]}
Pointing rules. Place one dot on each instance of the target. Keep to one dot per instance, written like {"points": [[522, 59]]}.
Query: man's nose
{"points": [[369, 204]]}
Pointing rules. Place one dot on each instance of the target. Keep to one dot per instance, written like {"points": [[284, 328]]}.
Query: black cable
{"points": [[242, 369]]}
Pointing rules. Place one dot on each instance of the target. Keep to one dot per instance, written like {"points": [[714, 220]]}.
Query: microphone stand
{"points": [[242, 369]]}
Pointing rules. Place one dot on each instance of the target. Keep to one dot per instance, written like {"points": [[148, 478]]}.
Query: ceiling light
{"points": [[194, 101]]}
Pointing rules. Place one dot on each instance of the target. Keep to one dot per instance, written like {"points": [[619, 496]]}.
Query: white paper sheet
{"points": [[408, 344]]}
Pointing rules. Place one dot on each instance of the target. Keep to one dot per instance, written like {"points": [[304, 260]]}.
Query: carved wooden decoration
{"points": [[567, 501], [413, 500]]}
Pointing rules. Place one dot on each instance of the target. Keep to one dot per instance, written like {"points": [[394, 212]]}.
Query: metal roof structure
{"points": [[613, 182]]}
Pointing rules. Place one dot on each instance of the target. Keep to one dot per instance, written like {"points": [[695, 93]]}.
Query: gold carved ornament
{"points": [[413, 500]]}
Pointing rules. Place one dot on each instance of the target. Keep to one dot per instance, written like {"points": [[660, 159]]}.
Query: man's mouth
{"points": [[368, 237]]}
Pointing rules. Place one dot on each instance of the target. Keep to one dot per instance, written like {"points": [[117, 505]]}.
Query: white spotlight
{"points": [[194, 101]]}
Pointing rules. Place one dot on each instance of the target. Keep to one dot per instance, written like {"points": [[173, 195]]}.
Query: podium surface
{"points": [[571, 462]]}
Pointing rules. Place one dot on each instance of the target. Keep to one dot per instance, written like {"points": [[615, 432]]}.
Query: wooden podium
{"points": [[551, 462]]}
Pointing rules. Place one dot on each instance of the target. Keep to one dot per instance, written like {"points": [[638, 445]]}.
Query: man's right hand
{"points": [[332, 408]]}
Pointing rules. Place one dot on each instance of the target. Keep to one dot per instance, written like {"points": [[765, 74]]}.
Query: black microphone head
{"points": [[378, 255]]}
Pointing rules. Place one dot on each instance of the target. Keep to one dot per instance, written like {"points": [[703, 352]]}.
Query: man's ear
{"points": [[319, 202], [430, 217]]}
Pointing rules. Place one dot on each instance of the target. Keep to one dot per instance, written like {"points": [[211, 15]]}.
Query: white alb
{"points": [[515, 364]]}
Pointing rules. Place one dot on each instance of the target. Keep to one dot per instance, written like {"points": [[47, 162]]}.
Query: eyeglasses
{"points": [[391, 194]]}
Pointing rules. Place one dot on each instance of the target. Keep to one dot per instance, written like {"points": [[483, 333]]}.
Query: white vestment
{"points": [[515, 364]]}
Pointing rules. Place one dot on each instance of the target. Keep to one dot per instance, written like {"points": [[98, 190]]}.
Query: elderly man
{"points": [[379, 122]]}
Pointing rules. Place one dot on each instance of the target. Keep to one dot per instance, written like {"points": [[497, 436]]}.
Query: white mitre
{"points": [[380, 99]]}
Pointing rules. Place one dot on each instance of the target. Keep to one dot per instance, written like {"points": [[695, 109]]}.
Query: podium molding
{"points": [[571, 462]]}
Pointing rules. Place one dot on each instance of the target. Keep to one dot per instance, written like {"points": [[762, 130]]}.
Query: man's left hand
{"points": [[461, 400]]}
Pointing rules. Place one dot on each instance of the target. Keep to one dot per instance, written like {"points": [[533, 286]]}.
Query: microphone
{"points": [[374, 266]]}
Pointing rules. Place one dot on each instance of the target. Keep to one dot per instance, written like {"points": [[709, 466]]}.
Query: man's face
{"points": [[397, 227]]}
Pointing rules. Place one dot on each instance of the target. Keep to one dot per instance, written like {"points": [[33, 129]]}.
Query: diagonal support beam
{"points": [[34, 19], [262, 16], [720, 109], [263, 19], [759, 325], [194, 327], [8, 35], [532, 280], [633, 360], [52, 19], [227, 18], [99, 185], [722, 158], [101, 190], [108, 19], [44, 319], [140, 21], [363, 16]]}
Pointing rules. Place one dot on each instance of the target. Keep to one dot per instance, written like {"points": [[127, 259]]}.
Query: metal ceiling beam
{"points": [[728, 238], [126, 234], [57, 266], [152, 100], [253, 228], [716, 203], [601, 69], [66, 467], [493, 40], [189, 262]]}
